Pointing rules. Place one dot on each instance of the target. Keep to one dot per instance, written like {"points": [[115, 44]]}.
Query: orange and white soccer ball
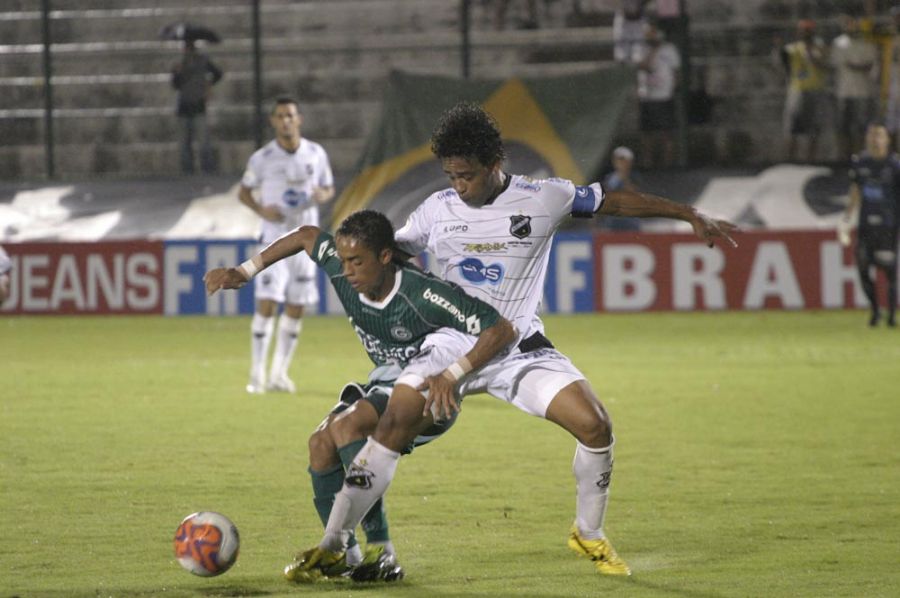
{"points": [[206, 543]]}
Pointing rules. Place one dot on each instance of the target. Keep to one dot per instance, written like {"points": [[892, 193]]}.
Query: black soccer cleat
{"points": [[377, 565]]}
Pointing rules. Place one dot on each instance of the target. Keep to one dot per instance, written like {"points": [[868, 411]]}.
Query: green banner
{"points": [[559, 126]]}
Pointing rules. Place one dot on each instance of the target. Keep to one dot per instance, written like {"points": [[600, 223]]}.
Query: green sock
{"points": [[325, 485], [375, 522]]}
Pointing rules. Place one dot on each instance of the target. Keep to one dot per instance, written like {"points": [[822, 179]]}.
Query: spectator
{"points": [[621, 179], [854, 59], [5, 266], [194, 77], [892, 73], [658, 62], [805, 61], [629, 23]]}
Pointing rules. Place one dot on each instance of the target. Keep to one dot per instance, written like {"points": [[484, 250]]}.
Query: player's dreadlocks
{"points": [[370, 228], [467, 131]]}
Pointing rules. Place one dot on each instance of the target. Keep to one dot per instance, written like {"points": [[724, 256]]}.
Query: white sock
{"points": [[367, 479], [354, 555], [288, 333], [592, 469], [260, 335]]}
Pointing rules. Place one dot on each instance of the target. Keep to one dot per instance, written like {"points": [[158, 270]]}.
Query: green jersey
{"points": [[393, 330]]}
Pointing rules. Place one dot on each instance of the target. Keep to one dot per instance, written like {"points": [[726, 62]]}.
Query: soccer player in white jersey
{"points": [[5, 267], [491, 233], [292, 177]]}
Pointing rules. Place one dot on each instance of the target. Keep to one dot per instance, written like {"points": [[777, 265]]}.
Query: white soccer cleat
{"points": [[281, 384], [257, 385]]}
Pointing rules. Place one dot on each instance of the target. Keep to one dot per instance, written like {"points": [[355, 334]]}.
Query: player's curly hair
{"points": [[371, 228], [467, 131]]}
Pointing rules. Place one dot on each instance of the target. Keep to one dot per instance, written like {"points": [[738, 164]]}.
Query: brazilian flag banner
{"points": [[560, 126]]}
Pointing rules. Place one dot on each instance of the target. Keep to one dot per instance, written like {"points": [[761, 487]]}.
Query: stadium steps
{"points": [[111, 73]]}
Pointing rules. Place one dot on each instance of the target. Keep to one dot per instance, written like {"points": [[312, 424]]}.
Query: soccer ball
{"points": [[206, 543]]}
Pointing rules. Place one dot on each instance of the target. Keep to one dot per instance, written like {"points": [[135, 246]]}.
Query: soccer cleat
{"points": [[316, 564], [256, 385], [377, 565], [281, 384], [601, 552]]}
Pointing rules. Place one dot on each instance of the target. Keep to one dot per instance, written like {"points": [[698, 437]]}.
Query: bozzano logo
{"points": [[473, 322]]}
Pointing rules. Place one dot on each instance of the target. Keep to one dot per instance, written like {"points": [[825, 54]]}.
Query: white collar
{"points": [[398, 276]]}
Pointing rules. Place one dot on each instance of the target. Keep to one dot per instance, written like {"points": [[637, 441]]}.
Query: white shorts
{"points": [[292, 281], [439, 350], [529, 381]]}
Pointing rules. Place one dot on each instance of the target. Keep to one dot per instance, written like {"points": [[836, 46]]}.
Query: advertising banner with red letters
{"points": [[586, 272]]}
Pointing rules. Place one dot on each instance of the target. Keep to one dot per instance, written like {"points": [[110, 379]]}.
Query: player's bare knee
{"points": [[597, 433], [322, 450], [355, 426]]}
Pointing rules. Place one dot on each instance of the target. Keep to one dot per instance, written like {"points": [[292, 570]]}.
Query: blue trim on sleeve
{"points": [[584, 202]]}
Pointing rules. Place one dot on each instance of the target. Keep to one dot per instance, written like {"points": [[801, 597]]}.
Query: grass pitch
{"points": [[756, 456]]}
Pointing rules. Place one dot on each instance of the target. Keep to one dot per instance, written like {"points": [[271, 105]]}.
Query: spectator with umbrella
{"points": [[193, 77]]}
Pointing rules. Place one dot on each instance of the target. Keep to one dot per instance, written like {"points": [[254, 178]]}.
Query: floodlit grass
{"points": [[756, 456]]}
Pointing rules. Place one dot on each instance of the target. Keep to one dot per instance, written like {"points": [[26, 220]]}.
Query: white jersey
{"points": [[286, 180], [499, 252]]}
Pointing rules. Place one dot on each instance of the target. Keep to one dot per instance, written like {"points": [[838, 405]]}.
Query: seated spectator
{"points": [[854, 59], [621, 178], [805, 61]]}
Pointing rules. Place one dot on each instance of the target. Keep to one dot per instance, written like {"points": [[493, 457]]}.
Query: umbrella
{"points": [[188, 32]]}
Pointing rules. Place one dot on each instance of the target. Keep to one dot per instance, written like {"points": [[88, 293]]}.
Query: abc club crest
{"points": [[520, 226]]}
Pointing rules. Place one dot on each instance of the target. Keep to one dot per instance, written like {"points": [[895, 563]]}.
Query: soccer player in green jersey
{"points": [[414, 327]]}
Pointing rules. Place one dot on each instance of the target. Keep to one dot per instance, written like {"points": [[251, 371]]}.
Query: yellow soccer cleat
{"points": [[316, 564], [601, 552]]}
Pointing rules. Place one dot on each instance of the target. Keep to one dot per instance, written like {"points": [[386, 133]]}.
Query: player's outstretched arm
{"points": [[490, 342], [645, 205], [301, 239]]}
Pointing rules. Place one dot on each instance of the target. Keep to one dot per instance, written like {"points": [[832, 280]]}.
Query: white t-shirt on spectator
{"points": [[658, 84], [851, 83]]}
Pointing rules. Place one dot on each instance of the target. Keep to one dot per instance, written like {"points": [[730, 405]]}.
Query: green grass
{"points": [[756, 456]]}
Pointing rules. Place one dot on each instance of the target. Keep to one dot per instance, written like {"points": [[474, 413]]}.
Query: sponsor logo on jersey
{"points": [[382, 353], [520, 226], [473, 322], [474, 270], [873, 192], [446, 194], [528, 185], [294, 198], [456, 228], [483, 247], [401, 333], [326, 249]]}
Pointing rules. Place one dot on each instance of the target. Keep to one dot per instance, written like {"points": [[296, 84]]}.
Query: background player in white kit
{"points": [[292, 177], [491, 233]]}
